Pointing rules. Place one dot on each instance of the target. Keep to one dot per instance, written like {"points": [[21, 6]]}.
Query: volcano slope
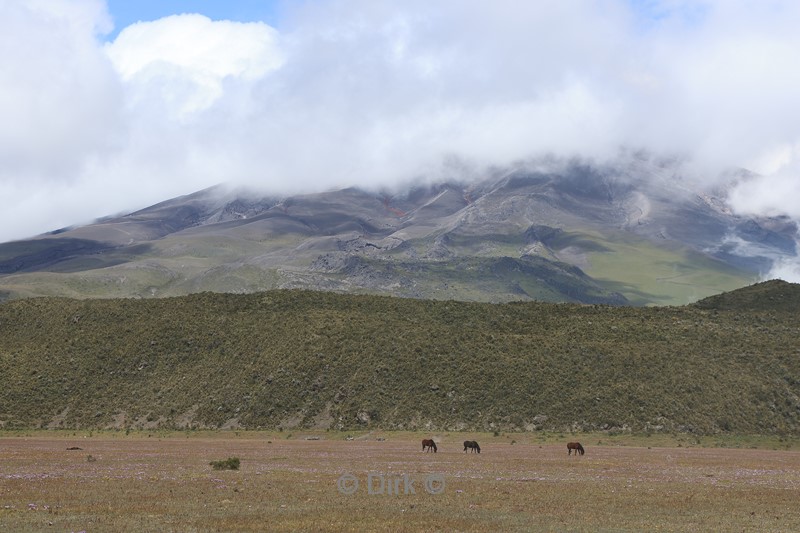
{"points": [[631, 233]]}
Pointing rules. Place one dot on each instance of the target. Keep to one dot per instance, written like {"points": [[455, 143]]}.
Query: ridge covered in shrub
{"points": [[286, 359]]}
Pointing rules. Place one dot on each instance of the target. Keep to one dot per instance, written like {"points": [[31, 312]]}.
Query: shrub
{"points": [[231, 463]]}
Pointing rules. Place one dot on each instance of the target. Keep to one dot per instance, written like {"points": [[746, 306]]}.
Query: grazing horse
{"points": [[472, 445], [428, 445], [574, 446]]}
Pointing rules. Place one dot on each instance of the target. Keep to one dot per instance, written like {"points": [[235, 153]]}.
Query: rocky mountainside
{"points": [[635, 233]]}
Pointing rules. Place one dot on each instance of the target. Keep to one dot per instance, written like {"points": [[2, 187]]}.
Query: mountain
{"points": [[634, 233], [313, 359]]}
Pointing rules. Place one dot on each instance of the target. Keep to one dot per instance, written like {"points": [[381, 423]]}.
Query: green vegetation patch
{"points": [[656, 274], [292, 360], [231, 463]]}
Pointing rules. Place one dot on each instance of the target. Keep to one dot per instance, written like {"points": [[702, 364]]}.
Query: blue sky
{"points": [[127, 12]]}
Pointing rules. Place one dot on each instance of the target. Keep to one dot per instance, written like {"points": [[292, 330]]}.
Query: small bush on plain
{"points": [[231, 463]]}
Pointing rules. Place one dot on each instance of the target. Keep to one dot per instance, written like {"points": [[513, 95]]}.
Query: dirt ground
{"points": [[117, 483]]}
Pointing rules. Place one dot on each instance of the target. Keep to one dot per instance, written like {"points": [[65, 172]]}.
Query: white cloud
{"points": [[373, 91], [775, 193], [785, 269], [59, 96], [185, 59]]}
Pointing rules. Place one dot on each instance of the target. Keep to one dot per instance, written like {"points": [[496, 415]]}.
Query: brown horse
{"points": [[575, 446], [472, 445], [428, 445]]}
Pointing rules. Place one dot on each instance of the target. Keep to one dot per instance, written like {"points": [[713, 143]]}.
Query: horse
{"points": [[574, 446], [472, 445], [428, 445]]}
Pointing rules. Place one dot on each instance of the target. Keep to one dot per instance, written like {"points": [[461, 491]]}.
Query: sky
{"points": [[126, 12], [109, 107]]}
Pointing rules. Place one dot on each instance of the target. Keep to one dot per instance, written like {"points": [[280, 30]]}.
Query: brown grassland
{"points": [[520, 482]]}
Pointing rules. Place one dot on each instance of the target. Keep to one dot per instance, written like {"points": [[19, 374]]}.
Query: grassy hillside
{"points": [[287, 359], [647, 274]]}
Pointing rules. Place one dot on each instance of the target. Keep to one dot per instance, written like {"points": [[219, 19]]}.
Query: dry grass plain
{"points": [[164, 483]]}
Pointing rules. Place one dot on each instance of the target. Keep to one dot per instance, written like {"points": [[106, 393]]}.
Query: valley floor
{"points": [[384, 482]]}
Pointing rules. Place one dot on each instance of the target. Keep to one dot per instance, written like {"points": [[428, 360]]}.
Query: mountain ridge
{"points": [[638, 233], [290, 359]]}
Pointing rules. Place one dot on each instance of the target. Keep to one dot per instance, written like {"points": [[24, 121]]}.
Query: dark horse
{"points": [[472, 445], [574, 446], [428, 445]]}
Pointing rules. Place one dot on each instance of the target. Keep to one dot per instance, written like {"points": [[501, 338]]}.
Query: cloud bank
{"points": [[373, 92]]}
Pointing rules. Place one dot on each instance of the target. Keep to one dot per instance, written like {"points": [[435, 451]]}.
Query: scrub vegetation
{"points": [[298, 359]]}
